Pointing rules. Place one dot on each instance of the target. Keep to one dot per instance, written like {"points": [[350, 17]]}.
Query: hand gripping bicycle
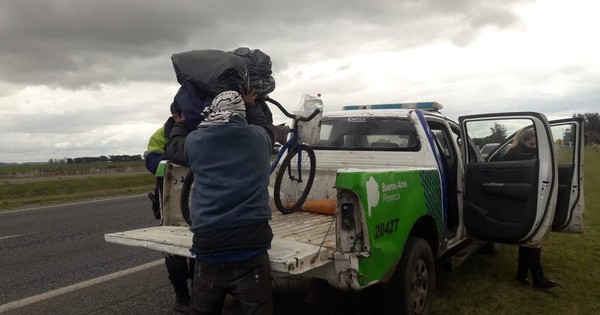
{"points": [[294, 177]]}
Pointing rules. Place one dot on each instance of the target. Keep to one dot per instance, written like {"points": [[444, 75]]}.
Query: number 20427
{"points": [[385, 228]]}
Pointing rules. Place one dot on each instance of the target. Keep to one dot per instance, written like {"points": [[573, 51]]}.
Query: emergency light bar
{"points": [[420, 105]]}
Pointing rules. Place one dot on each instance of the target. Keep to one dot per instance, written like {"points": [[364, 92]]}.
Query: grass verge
{"points": [[49, 191], [485, 284], [62, 169]]}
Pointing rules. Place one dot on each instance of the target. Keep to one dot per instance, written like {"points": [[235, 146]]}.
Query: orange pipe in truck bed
{"points": [[323, 206]]}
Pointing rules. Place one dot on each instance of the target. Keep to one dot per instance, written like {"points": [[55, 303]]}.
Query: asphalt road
{"points": [[47, 248], [54, 260]]}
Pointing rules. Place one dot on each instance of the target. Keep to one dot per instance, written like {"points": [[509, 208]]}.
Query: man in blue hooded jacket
{"points": [[229, 155]]}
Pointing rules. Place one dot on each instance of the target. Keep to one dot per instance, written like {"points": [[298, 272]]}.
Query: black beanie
{"points": [[175, 108]]}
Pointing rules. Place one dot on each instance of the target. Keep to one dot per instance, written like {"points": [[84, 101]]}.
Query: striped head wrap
{"points": [[225, 106]]}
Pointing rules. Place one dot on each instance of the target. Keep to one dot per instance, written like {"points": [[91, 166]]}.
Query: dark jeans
{"points": [[529, 260], [248, 281], [180, 270]]}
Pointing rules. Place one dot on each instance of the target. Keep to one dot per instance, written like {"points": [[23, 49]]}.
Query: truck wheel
{"points": [[411, 288]]}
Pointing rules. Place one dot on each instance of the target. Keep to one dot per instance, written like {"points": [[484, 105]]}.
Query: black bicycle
{"points": [[294, 177]]}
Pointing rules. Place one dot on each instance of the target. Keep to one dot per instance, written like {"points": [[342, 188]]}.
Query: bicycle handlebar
{"points": [[292, 116]]}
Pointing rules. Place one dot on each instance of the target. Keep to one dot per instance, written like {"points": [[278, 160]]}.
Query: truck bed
{"points": [[302, 241]]}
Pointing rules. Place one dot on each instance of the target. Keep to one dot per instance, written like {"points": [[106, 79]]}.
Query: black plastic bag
{"points": [[211, 71], [259, 69]]}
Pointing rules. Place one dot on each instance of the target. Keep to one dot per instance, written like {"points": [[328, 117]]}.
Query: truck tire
{"points": [[410, 291]]}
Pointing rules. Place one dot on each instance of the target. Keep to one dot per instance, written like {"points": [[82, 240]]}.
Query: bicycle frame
{"points": [[296, 188], [291, 144]]}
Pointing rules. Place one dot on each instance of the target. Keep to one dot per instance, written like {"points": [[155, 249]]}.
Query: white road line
{"points": [[16, 235], [44, 296], [70, 204]]}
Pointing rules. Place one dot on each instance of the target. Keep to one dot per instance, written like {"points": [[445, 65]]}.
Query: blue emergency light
{"points": [[420, 105]]}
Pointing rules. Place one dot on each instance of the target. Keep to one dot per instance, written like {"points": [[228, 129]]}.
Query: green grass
{"points": [[485, 284], [37, 170], [59, 190]]}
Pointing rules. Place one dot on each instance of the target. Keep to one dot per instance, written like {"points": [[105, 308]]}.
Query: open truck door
{"points": [[509, 200], [568, 146]]}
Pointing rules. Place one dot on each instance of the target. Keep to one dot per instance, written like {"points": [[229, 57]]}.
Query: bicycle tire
{"points": [[184, 199], [289, 193]]}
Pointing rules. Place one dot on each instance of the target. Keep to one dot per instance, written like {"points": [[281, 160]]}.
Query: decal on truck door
{"points": [[385, 192], [393, 201], [372, 194]]}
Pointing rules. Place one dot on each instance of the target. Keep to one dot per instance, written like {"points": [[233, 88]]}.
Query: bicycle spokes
{"points": [[294, 179], [295, 171]]}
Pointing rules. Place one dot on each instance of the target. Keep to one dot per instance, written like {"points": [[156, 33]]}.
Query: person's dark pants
{"points": [[248, 281], [530, 260], [180, 270]]}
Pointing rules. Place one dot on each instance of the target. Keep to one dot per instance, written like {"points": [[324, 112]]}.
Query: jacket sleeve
{"points": [[157, 142], [175, 145], [264, 107], [155, 151], [152, 160], [256, 116]]}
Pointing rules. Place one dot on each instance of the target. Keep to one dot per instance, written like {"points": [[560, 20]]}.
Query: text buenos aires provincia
{"points": [[391, 191]]}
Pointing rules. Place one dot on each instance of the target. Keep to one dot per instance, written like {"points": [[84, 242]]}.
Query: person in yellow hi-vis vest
{"points": [[180, 268]]}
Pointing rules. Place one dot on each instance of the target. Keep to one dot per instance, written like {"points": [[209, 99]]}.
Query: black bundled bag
{"points": [[211, 71], [259, 69]]}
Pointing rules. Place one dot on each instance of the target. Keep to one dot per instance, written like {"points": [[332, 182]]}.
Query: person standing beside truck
{"points": [[180, 268], [524, 147], [229, 155]]}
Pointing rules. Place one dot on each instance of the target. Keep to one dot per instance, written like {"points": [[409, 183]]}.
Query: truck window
{"points": [[564, 140], [367, 134], [500, 135]]}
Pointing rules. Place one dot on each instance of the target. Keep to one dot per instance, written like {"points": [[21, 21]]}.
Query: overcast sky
{"points": [[90, 78]]}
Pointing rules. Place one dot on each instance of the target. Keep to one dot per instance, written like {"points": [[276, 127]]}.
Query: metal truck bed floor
{"points": [[295, 248]]}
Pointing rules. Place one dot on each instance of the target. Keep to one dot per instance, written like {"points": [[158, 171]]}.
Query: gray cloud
{"points": [[89, 78], [81, 43]]}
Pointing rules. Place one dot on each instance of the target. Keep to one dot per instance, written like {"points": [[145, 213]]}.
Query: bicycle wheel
{"points": [[292, 185], [184, 200]]}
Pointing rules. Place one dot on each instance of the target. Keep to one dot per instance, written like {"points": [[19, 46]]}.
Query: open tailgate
{"points": [[302, 241]]}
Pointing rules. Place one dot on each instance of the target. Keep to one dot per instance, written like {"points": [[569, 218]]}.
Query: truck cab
{"points": [[407, 187]]}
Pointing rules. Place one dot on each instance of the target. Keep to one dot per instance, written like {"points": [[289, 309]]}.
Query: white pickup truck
{"points": [[406, 186]]}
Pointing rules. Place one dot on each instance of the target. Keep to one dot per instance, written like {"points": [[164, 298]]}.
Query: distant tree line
{"points": [[497, 135], [96, 159], [591, 132], [592, 127]]}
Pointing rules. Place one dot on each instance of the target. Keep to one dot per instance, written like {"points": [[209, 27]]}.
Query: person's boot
{"points": [[182, 304], [523, 265], [537, 273], [539, 280], [177, 267]]}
